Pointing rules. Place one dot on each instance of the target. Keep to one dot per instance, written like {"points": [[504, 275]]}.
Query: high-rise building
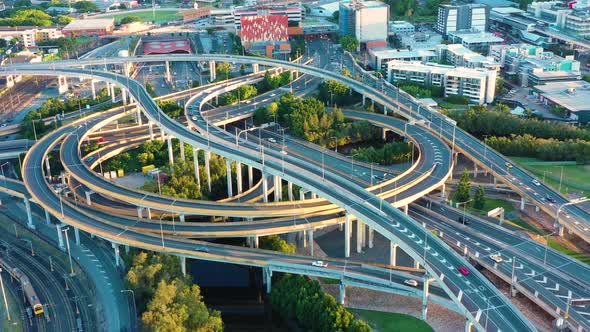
{"points": [[463, 17], [365, 20]]}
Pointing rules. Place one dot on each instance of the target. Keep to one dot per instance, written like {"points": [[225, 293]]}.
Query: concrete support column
{"points": [[268, 278], [208, 169], [393, 254], [384, 110], [88, 197], [60, 236], [290, 190], [47, 168], [113, 97], [140, 122], [253, 241], [93, 89], [127, 68], [250, 177], [495, 183], [29, 213], [228, 174], [124, 96], [170, 152], [364, 98], [183, 265], [168, 76], [77, 235], [425, 293], [47, 217], [139, 214], [151, 129], [416, 264], [182, 218], [560, 230], [255, 68], [117, 258], [301, 194], [239, 176], [278, 191], [442, 191], [264, 188], [108, 89], [310, 241], [62, 84], [342, 293], [406, 209], [212, 71], [522, 202], [371, 236], [196, 164], [359, 236], [149, 213], [468, 326], [384, 134], [474, 169], [182, 156], [347, 235]]}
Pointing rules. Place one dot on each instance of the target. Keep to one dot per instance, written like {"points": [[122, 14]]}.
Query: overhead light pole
{"points": [[65, 230]]}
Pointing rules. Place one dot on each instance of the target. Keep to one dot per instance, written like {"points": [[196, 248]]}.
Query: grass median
{"points": [[392, 322]]}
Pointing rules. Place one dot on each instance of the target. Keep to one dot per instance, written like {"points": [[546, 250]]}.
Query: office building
{"points": [[365, 20], [379, 57], [479, 42], [477, 84], [462, 17], [401, 27], [573, 96]]}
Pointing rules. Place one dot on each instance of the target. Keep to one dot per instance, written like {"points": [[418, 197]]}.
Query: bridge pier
{"points": [[117, 258], [264, 188], [495, 183], [170, 152], [47, 217], [250, 177], [183, 265], [239, 176], [342, 293], [371, 236], [359, 236], [212, 71], [255, 68], [182, 217], [127, 68], [393, 254], [347, 235], [60, 236], [93, 88], [442, 191], [384, 134], [168, 76], [301, 194], [267, 278], [124, 96], [108, 88], [29, 214], [474, 169], [290, 190], [425, 293], [62, 85], [310, 241], [416, 264], [150, 128], [149, 213], [139, 122], [522, 203], [182, 156], [468, 325], [278, 191], [196, 164], [228, 175], [47, 167], [208, 169], [113, 93], [77, 235], [364, 100], [560, 230], [406, 209], [139, 212]]}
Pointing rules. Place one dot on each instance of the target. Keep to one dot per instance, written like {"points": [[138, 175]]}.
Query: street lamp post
{"points": [[464, 208], [572, 202], [65, 230], [4, 296], [134, 306]]}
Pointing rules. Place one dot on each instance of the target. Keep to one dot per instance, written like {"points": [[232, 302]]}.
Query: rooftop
{"points": [[506, 10], [573, 95], [438, 69], [470, 37], [384, 52], [90, 24]]}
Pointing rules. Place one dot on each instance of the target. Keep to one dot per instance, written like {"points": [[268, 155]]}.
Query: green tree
{"points": [[223, 69], [500, 89], [63, 19], [170, 108], [359, 326], [463, 187], [349, 43], [479, 199], [130, 19], [85, 6], [276, 243], [34, 17]]}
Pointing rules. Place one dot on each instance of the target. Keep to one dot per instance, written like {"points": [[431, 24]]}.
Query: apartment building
{"points": [[452, 18]]}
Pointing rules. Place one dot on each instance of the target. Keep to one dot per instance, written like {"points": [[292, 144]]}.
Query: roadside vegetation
{"points": [[301, 299], [165, 299]]}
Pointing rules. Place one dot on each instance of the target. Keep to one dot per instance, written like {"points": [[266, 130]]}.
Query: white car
{"points": [[319, 264], [411, 282], [536, 183], [272, 140], [273, 94], [194, 118], [496, 258]]}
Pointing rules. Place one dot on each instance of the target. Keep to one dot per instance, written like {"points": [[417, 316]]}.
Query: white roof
{"points": [[90, 24]]}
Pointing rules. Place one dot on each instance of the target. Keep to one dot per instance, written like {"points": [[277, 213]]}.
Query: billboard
{"points": [[264, 28]]}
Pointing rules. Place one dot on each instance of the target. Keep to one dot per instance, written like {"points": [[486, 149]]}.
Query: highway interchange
{"points": [[476, 294]]}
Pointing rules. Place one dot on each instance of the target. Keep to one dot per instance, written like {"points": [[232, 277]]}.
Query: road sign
{"points": [[495, 212]]}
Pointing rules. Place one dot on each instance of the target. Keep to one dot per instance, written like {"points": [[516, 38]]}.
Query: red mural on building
{"points": [[266, 28]]}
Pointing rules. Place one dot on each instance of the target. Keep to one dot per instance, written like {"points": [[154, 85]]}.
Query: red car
{"points": [[101, 140], [464, 271]]}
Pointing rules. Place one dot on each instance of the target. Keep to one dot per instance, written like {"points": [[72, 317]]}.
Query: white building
{"points": [[463, 17], [477, 84], [379, 57], [401, 27], [460, 56], [31, 37], [325, 8], [365, 20]]}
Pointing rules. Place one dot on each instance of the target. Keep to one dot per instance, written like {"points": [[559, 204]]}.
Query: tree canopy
{"points": [[130, 19], [85, 6], [349, 43], [463, 192]]}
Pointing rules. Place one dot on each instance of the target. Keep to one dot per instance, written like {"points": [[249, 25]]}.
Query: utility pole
{"points": [[4, 296]]}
